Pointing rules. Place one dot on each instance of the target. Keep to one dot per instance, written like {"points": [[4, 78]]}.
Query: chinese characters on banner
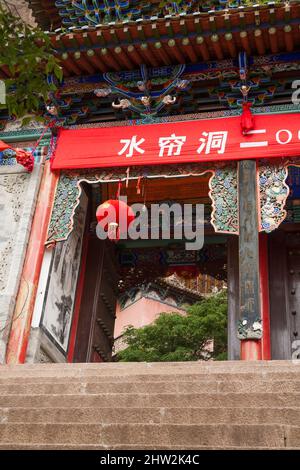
{"points": [[179, 142]]}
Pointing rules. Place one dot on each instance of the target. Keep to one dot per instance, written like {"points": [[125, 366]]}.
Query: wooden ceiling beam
{"points": [[108, 58], [288, 38], [148, 55]]}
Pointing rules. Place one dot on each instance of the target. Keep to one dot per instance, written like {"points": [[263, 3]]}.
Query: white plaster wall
{"points": [[18, 196]]}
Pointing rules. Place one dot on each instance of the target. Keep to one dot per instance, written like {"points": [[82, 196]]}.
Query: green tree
{"points": [[174, 337], [26, 59]]}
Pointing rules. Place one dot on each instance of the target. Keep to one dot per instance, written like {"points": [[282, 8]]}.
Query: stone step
{"points": [[97, 447], [135, 368], [151, 415], [118, 435], [150, 377], [291, 377], [131, 400], [199, 405], [196, 386]]}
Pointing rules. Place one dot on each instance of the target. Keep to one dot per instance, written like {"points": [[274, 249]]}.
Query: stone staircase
{"points": [[221, 405]]}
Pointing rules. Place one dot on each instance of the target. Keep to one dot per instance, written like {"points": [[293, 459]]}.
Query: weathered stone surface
{"points": [[20, 8], [145, 434], [229, 405], [18, 193]]}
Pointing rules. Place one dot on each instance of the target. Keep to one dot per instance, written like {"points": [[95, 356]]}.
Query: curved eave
{"points": [[184, 39]]}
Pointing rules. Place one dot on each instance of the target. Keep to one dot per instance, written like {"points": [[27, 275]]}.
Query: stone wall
{"points": [[18, 195], [20, 8]]}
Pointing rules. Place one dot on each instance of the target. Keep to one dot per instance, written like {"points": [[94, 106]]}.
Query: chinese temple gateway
{"points": [[188, 102]]}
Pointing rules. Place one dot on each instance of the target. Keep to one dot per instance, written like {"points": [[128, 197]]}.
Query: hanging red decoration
{"points": [[3, 146], [247, 119], [23, 157], [113, 212]]}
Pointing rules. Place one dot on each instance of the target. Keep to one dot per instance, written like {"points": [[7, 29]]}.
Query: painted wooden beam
{"points": [[250, 325]]}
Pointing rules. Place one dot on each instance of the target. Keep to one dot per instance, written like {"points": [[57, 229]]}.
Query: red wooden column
{"points": [[19, 335], [251, 350], [261, 349], [264, 295]]}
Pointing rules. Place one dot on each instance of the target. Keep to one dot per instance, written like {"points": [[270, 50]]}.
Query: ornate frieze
{"points": [[273, 192], [224, 196], [223, 193]]}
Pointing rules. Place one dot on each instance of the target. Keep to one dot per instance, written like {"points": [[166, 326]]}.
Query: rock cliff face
{"points": [[20, 7]]}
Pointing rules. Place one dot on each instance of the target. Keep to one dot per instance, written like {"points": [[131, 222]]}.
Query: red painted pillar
{"points": [[264, 295], [254, 350], [251, 350], [19, 335]]}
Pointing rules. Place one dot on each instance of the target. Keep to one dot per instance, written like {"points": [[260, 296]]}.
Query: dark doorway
{"points": [[284, 255]]}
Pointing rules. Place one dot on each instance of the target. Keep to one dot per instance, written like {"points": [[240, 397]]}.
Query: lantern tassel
{"points": [[119, 190], [138, 186], [113, 231], [247, 119]]}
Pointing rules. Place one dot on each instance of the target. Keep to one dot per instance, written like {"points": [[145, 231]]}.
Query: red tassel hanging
{"points": [[25, 158], [119, 190], [138, 185], [247, 119], [127, 176]]}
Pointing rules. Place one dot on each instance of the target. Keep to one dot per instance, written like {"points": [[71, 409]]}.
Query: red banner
{"points": [[276, 135]]}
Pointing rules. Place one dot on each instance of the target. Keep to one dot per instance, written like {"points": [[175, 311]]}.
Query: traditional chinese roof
{"points": [[175, 38], [164, 288], [143, 265], [203, 45], [52, 14]]}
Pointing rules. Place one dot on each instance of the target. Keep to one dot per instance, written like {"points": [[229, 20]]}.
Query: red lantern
{"points": [[115, 217], [247, 120]]}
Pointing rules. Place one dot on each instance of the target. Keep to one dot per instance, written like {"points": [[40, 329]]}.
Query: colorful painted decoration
{"points": [[273, 193], [93, 12], [144, 102]]}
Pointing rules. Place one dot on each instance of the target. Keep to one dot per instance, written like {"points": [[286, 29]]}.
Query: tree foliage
{"points": [[174, 337], [26, 59]]}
